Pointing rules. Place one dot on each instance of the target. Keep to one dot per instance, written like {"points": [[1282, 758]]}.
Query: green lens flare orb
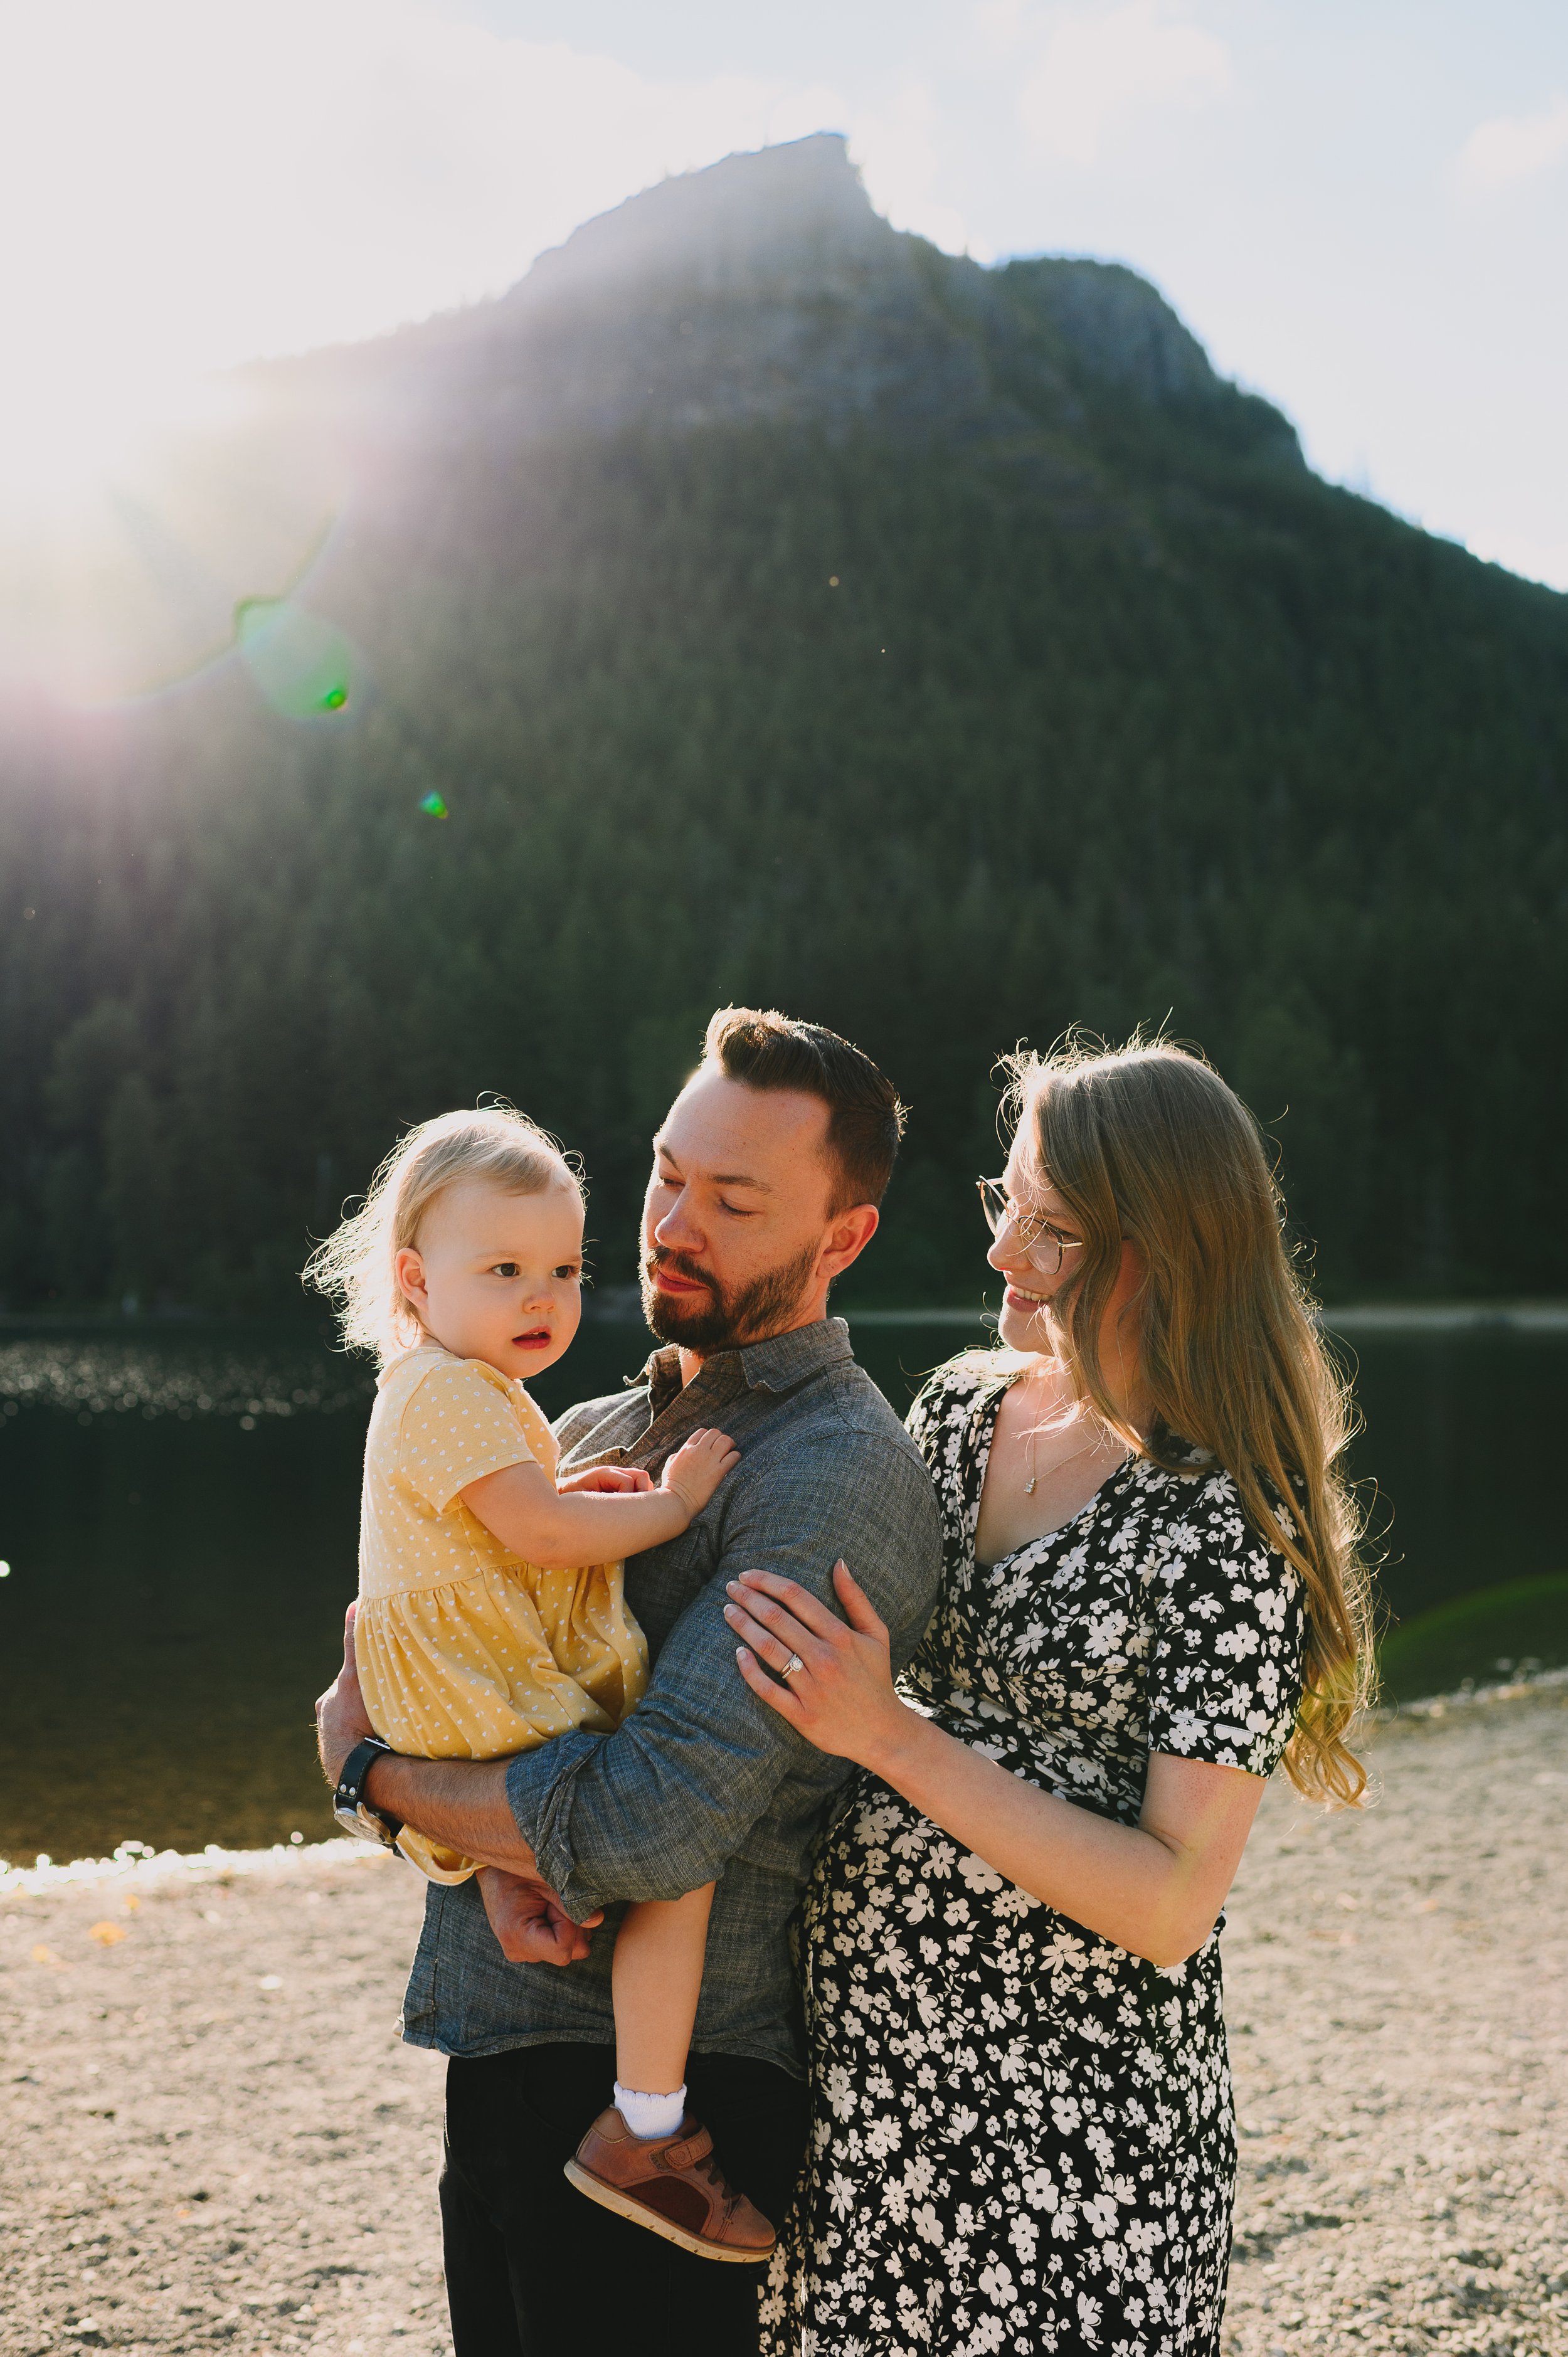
{"points": [[303, 665], [434, 807]]}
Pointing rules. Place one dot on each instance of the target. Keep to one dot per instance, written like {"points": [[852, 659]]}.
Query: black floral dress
{"points": [[1022, 2136]]}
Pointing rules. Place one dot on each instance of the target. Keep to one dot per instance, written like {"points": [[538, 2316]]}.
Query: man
{"points": [[768, 1173]]}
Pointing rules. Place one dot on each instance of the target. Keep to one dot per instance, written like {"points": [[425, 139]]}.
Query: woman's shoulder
{"points": [[950, 1391], [1203, 1522], [952, 1407]]}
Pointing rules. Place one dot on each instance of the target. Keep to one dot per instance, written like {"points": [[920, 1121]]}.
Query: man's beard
{"points": [[724, 1318]]}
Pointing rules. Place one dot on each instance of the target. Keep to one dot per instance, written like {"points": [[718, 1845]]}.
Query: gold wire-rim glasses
{"points": [[1001, 1212]]}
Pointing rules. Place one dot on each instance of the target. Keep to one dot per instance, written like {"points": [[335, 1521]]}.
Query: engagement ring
{"points": [[792, 1665]]}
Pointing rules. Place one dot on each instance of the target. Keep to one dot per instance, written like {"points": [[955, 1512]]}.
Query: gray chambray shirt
{"points": [[702, 1783]]}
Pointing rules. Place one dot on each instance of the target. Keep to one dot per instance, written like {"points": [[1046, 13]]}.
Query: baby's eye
{"points": [[507, 1268], [567, 1271]]}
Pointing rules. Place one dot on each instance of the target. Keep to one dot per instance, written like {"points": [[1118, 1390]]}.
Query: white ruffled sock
{"points": [[651, 2115]]}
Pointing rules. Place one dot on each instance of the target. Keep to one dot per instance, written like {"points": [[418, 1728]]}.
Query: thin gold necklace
{"points": [[1032, 1436]]}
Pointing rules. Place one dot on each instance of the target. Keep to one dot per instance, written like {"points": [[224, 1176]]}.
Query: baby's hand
{"points": [[606, 1477], [697, 1468]]}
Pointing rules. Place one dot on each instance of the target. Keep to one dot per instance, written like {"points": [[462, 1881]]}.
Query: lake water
{"points": [[178, 1507]]}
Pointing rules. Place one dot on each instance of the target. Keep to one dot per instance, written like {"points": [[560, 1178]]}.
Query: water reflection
{"points": [[96, 1376], [179, 1508]]}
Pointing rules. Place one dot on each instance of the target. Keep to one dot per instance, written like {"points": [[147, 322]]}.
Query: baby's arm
{"points": [[548, 1526], [606, 1477]]}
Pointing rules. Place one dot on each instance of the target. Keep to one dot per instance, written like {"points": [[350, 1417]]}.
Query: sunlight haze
{"points": [[1362, 216]]}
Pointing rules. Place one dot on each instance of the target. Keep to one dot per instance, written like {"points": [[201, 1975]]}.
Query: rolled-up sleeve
{"points": [[659, 1806]]}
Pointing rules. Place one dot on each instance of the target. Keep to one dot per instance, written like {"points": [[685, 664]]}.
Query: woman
{"points": [[1023, 2136]]}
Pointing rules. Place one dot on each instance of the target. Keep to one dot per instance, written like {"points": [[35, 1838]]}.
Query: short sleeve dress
{"points": [[1022, 2136], [465, 1652]]}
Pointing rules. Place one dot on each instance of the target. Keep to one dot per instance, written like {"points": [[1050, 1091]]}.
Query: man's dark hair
{"points": [[865, 1119]]}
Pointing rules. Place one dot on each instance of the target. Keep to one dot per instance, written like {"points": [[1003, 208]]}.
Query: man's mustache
{"points": [[681, 1265]]}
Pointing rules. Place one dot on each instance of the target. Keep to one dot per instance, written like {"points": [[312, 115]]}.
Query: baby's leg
{"points": [[656, 1978], [645, 2159]]}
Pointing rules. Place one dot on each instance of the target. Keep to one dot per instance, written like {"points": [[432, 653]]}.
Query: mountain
{"points": [[778, 609], [765, 290]]}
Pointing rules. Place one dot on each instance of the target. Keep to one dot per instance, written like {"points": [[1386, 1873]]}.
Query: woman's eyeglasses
{"points": [[1039, 1243]]}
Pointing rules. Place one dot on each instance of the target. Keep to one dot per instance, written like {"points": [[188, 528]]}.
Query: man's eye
{"points": [[735, 1211]]}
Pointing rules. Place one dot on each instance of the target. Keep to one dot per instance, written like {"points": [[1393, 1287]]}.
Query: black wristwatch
{"points": [[349, 1806]]}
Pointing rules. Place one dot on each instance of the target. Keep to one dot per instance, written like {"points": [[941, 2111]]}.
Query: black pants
{"points": [[532, 2266]]}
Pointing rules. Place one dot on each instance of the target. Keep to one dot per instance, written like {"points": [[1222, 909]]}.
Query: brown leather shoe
{"points": [[673, 2186]]}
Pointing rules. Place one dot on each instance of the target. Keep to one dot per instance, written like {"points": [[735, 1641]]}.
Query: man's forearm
{"points": [[461, 1803]]}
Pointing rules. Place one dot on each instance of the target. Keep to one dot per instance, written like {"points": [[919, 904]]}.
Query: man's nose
{"points": [[676, 1231]]}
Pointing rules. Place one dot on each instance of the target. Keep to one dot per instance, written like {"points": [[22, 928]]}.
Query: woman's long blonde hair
{"points": [[356, 1267], [1146, 1142]]}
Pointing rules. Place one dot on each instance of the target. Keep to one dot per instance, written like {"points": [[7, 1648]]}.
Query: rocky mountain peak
{"points": [[766, 289], [791, 215]]}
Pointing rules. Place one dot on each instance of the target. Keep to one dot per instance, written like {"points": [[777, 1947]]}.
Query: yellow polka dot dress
{"points": [[465, 1652]]}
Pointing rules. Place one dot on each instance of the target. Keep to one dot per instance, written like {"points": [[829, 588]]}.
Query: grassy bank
{"points": [[1497, 1632]]}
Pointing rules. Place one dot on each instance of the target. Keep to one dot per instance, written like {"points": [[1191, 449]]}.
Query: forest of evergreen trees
{"points": [[917, 736]]}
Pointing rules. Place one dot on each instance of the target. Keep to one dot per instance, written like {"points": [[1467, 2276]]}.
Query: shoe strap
{"points": [[688, 2152]]}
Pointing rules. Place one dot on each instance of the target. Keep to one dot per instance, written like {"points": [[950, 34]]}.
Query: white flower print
{"points": [[978, 1875], [840, 2091], [1022, 2136], [1238, 1645], [996, 2283]]}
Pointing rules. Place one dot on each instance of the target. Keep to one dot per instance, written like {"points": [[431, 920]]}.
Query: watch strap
{"points": [[350, 1792]]}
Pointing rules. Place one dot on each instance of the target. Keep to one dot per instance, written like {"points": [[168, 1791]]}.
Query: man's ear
{"points": [[847, 1237], [408, 1272]]}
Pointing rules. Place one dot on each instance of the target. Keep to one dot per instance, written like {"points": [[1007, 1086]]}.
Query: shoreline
{"points": [[1414, 1317], [137, 1866]]}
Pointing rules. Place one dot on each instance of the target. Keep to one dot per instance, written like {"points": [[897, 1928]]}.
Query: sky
{"points": [[1362, 210]]}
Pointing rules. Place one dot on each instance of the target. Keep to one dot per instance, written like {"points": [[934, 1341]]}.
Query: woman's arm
{"points": [[1153, 1889], [523, 1507]]}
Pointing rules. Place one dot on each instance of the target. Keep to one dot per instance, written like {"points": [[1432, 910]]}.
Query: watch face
{"points": [[365, 1825]]}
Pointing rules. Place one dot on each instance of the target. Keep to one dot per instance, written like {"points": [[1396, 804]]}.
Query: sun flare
{"points": [[66, 438]]}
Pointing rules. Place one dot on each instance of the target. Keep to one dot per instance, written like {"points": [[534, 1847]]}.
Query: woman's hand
{"points": [[839, 1692]]}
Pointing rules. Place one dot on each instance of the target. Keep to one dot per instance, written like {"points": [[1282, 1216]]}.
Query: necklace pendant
{"points": [[1029, 1487]]}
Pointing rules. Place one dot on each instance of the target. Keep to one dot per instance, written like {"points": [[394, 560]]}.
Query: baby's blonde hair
{"points": [[357, 1265]]}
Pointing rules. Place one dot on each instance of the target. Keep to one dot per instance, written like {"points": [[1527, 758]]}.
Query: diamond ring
{"points": [[792, 1665]]}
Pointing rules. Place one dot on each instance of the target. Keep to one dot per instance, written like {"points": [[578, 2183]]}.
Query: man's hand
{"points": [[529, 1921], [341, 1720]]}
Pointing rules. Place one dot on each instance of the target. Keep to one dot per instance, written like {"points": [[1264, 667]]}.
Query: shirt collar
{"points": [[427, 1346], [775, 1365]]}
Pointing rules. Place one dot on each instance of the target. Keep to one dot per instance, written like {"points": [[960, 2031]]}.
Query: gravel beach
{"points": [[213, 2139]]}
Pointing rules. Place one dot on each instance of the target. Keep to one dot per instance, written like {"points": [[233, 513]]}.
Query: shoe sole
{"points": [[625, 2206]]}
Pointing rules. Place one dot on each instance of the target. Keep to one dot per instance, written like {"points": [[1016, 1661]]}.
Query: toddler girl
{"points": [[491, 1614]]}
